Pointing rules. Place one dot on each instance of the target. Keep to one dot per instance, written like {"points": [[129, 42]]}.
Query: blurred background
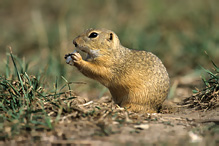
{"points": [[41, 33]]}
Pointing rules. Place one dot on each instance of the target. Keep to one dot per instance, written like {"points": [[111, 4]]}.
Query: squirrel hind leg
{"points": [[139, 108]]}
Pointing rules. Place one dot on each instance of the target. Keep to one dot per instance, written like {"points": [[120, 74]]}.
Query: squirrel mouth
{"points": [[89, 56]]}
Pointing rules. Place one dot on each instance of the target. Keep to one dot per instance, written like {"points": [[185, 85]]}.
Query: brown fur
{"points": [[137, 80]]}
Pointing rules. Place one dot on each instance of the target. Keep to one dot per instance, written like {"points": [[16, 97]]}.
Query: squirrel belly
{"points": [[136, 80]]}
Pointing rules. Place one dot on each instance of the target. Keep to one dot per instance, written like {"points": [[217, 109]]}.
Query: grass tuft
{"points": [[208, 97], [19, 103]]}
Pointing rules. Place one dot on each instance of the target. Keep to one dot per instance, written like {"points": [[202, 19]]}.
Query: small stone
{"points": [[142, 126]]}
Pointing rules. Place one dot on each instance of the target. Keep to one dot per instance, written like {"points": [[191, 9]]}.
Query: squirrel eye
{"points": [[93, 35]]}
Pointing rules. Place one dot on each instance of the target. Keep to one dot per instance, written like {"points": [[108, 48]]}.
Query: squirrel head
{"points": [[97, 43]]}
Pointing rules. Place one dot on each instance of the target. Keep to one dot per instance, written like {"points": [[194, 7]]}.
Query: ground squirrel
{"points": [[136, 79]]}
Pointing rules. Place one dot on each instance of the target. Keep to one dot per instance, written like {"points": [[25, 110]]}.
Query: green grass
{"points": [[25, 104], [21, 102]]}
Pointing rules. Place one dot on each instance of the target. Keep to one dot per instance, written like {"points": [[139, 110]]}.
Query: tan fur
{"points": [[137, 80]]}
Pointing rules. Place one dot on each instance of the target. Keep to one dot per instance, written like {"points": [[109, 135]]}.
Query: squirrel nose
{"points": [[74, 42]]}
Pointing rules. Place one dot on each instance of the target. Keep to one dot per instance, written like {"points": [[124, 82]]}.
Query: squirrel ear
{"points": [[111, 36]]}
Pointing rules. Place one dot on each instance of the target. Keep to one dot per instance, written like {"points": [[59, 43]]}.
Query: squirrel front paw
{"points": [[76, 58], [73, 58]]}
